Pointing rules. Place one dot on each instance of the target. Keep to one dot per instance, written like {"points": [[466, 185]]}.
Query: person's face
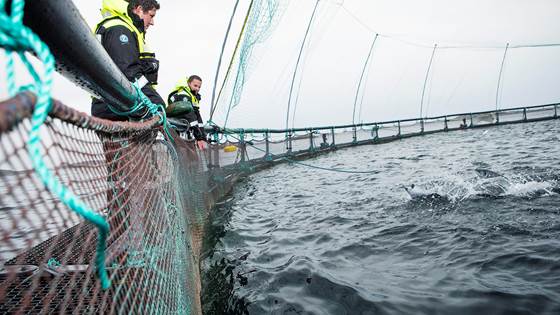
{"points": [[195, 85], [146, 16]]}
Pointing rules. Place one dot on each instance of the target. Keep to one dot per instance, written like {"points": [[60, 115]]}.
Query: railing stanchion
{"points": [[242, 145], [421, 125], [311, 146], [497, 117], [524, 114], [399, 134], [445, 126], [288, 141], [555, 111], [332, 135], [472, 121], [267, 155]]}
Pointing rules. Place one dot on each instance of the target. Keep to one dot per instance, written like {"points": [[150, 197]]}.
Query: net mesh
{"points": [[262, 19], [151, 198]]}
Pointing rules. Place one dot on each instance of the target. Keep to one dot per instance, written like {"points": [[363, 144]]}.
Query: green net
{"points": [[263, 17], [131, 176]]}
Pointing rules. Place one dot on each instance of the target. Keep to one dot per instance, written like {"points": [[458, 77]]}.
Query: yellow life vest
{"points": [[114, 13], [182, 87]]}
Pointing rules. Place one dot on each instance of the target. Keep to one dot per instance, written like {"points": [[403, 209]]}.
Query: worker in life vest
{"points": [[122, 33], [184, 105]]}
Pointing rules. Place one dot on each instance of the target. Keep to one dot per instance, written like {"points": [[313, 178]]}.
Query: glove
{"points": [[199, 133], [140, 115], [150, 67]]}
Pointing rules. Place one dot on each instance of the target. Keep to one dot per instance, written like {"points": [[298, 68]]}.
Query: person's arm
{"points": [[198, 116], [122, 46]]}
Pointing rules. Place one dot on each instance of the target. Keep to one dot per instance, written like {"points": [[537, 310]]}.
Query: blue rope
{"points": [[14, 36]]}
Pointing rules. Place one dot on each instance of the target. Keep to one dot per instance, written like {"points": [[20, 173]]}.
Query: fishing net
{"points": [[155, 192], [150, 191], [262, 18]]}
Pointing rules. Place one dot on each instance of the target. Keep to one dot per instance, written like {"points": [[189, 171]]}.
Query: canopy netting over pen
{"points": [[343, 62]]}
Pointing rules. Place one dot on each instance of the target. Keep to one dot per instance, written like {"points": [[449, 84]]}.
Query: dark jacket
{"points": [[122, 46]]}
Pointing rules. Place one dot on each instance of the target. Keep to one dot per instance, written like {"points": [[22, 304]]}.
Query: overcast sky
{"points": [[188, 35]]}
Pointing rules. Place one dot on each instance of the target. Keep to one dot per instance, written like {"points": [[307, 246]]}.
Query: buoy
{"points": [[230, 148]]}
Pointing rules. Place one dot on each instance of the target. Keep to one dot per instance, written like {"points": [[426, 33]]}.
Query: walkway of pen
{"points": [[259, 147]]}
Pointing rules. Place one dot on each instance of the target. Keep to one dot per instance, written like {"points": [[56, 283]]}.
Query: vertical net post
{"points": [[267, 155], [311, 146], [426, 79], [500, 76], [242, 145], [289, 141]]}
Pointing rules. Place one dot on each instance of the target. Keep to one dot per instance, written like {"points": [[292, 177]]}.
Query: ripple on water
{"points": [[478, 235]]}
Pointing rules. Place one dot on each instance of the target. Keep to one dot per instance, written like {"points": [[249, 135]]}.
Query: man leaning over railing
{"points": [[184, 108], [122, 33]]}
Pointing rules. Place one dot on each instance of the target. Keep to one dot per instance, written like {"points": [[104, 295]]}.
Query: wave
{"points": [[484, 183]]}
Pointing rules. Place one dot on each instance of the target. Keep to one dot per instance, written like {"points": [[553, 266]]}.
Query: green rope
{"points": [[14, 36], [53, 263], [143, 102]]}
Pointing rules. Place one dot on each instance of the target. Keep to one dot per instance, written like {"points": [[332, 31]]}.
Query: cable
{"points": [[232, 58], [212, 104], [297, 63], [423, 45]]}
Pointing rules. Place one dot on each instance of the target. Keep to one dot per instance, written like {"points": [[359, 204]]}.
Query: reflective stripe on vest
{"points": [[187, 91]]}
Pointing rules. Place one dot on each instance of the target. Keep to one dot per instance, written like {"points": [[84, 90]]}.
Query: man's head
{"points": [[145, 10], [195, 82]]}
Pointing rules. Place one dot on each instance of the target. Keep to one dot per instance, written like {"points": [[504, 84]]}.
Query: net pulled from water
{"points": [[150, 192]]}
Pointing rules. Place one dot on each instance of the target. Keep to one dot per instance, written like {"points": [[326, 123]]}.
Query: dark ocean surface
{"points": [[479, 233]]}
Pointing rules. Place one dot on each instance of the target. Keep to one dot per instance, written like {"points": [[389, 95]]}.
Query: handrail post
{"points": [[354, 135], [311, 146], [445, 126], [421, 125], [472, 121], [288, 142], [524, 114], [267, 155], [332, 135], [242, 145], [399, 134], [497, 117]]}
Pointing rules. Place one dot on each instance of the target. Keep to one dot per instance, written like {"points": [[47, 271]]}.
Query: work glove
{"points": [[150, 67], [199, 133], [140, 115]]}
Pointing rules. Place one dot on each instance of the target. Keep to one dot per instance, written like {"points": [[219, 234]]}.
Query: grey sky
{"points": [[188, 35]]}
